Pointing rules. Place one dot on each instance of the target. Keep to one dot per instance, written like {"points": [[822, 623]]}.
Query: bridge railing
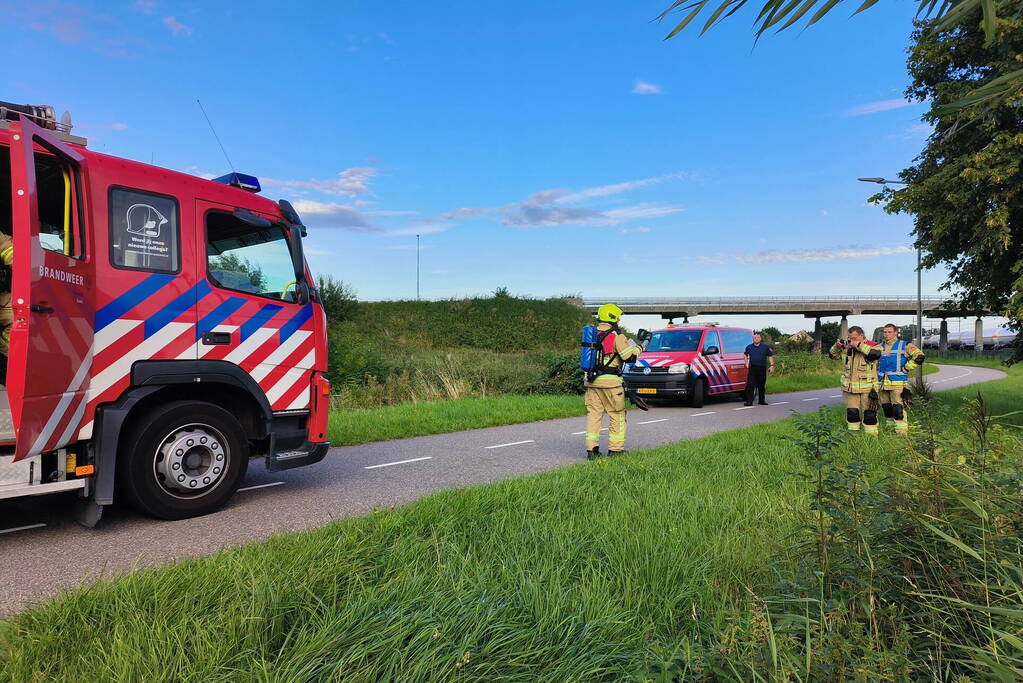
{"points": [[654, 300]]}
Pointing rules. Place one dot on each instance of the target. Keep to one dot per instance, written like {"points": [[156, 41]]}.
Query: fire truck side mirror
{"points": [[298, 258]]}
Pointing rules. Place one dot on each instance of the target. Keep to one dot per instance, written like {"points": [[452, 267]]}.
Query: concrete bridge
{"points": [[815, 307]]}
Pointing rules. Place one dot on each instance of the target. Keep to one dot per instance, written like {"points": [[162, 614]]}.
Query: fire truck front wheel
{"points": [[182, 459]]}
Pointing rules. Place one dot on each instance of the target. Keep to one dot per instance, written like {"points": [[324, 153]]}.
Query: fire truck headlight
{"points": [[678, 369]]}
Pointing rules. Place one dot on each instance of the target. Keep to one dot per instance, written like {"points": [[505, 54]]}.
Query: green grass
{"points": [[438, 417], [595, 571]]}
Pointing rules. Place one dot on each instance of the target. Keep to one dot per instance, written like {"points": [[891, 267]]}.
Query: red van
{"points": [[691, 362]]}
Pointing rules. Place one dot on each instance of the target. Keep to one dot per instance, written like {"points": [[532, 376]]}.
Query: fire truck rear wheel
{"points": [[183, 459]]}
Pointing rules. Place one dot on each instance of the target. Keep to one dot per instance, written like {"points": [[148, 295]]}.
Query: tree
{"points": [[946, 14], [241, 269], [771, 334], [965, 188], [339, 300]]}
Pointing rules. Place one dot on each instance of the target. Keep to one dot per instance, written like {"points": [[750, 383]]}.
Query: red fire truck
{"points": [[164, 328]]}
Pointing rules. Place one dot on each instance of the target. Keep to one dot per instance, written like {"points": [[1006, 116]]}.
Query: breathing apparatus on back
{"points": [[597, 349]]}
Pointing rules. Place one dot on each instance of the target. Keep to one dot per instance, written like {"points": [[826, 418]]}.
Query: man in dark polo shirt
{"points": [[759, 357]]}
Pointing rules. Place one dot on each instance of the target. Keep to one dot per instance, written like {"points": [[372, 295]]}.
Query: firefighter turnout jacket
{"points": [[861, 360], [624, 351], [898, 359]]}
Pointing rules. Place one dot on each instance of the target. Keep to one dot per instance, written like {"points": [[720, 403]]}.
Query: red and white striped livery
{"points": [[165, 328]]}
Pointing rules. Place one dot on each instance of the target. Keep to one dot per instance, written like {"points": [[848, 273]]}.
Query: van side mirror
{"points": [[711, 351], [643, 335]]}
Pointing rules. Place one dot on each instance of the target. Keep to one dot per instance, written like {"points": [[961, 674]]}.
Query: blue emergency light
{"points": [[249, 183]]}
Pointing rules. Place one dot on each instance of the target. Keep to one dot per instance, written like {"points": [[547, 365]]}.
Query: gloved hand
{"points": [[907, 397], [873, 400]]}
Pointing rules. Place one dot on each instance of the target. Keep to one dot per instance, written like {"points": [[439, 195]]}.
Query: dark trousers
{"points": [[756, 382]]}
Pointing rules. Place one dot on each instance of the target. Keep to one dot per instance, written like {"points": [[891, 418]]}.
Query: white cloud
{"points": [[330, 215], [875, 107], [116, 126], [641, 228], [426, 229], [145, 6], [406, 247], [384, 213], [547, 207], [818, 255], [616, 188], [317, 252], [824, 212], [644, 88], [176, 27], [351, 182], [465, 212], [630, 213]]}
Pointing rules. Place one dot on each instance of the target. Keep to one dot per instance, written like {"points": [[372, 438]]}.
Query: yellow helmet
{"points": [[609, 313]]}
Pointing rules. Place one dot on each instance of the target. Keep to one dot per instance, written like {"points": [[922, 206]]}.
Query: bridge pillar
{"points": [[943, 336], [817, 336], [843, 328], [978, 336]]}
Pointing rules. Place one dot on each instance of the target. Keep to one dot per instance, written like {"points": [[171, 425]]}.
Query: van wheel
{"points": [[182, 460], [699, 394]]}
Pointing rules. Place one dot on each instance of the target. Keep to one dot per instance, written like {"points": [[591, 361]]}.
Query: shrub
{"points": [[339, 300]]}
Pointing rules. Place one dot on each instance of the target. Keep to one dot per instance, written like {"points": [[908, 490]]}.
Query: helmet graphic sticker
{"points": [[143, 219]]}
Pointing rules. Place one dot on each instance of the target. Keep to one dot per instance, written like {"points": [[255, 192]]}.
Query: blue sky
{"points": [[550, 148]]}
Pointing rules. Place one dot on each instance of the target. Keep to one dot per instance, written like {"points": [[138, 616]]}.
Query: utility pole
{"points": [[417, 267]]}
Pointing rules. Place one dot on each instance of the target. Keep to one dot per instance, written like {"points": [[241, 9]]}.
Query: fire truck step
{"points": [[24, 489]]}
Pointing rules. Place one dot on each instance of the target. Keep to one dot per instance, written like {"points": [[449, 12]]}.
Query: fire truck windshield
{"points": [[247, 258]]}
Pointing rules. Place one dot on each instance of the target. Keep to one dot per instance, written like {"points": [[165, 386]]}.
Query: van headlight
{"points": [[678, 369]]}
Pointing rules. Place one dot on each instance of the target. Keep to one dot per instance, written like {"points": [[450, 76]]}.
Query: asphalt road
{"points": [[43, 551]]}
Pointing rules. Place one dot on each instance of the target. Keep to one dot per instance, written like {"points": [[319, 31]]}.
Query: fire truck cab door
{"points": [[52, 291]]}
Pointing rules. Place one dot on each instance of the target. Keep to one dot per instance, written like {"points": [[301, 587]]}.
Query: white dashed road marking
{"points": [[650, 422], [400, 462], [261, 486], [778, 403], [699, 414], [513, 443], [743, 408], [812, 398], [573, 434]]}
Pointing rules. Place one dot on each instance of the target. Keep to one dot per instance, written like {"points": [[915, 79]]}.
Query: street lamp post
{"points": [[919, 269], [417, 267]]}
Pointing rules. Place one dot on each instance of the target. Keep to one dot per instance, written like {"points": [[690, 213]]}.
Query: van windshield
{"points": [[674, 340]]}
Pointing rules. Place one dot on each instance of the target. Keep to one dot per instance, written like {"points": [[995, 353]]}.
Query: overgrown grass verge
{"points": [[635, 566], [437, 417]]}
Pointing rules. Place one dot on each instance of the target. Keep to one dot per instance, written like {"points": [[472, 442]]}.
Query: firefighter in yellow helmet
{"points": [[6, 314], [898, 359], [859, 379], [604, 390]]}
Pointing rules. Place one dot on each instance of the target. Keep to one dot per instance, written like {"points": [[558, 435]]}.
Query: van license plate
{"points": [[645, 390]]}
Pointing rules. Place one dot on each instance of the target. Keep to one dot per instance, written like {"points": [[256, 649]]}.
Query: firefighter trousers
{"points": [[858, 413], [6, 318], [894, 409], [610, 400]]}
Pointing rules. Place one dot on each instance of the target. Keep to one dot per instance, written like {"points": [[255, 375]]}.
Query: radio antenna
{"points": [[215, 136]]}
